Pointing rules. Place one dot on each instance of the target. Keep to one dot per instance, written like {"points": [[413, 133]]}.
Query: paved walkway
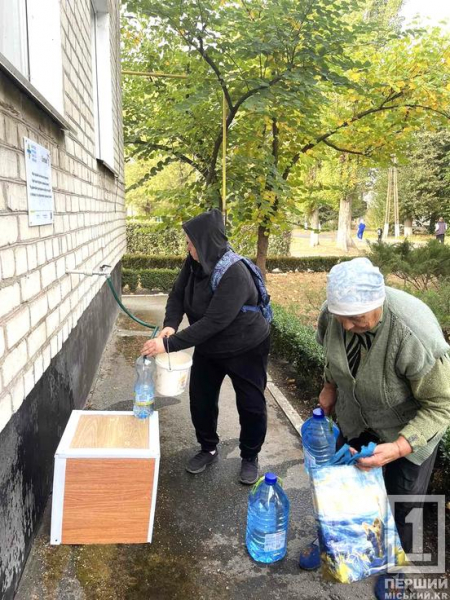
{"points": [[198, 550]]}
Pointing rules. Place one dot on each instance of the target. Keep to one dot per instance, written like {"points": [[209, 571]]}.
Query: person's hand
{"points": [[152, 347], [166, 332], [382, 455], [327, 398]]}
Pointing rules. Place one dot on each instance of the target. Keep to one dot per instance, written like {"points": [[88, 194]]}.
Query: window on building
{"points": [[30, 39], [13, 39], [102, 82]]}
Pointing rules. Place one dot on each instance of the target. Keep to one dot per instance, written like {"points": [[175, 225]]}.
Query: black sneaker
{"points": [[249, 471], [200, 461]]}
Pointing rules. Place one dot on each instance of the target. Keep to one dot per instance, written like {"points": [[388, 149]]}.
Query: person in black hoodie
{"points": [[227, 341]]}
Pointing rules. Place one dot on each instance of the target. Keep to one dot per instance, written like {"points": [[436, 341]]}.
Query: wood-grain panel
{"points": [[111, 431], [107, 501]]}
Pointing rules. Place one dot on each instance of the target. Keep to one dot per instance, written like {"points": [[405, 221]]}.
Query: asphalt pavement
{"points": [[198, 550]]}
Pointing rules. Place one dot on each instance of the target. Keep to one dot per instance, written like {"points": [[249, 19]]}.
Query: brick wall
{"points": [[39, 303]]}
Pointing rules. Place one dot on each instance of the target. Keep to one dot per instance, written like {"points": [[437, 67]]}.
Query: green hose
{"points": [[125, 310]]}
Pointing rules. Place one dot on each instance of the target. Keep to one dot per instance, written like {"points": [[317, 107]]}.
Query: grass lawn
{"points": [[303, 293], [300, 243]]}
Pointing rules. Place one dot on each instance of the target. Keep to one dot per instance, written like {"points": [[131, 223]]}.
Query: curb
{"points": [[286, 407]]}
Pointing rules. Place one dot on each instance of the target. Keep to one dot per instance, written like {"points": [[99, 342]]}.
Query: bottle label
{"points": [[143, 401], [274, 541]]}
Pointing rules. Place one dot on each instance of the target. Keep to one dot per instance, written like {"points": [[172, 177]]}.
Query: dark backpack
{"points": [[224, 263]]}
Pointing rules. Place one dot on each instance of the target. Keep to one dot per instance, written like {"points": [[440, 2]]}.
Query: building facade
{"points": [[59, 92]]}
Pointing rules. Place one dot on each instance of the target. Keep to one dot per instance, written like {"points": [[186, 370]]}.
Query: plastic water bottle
{"points": [[319, 442], [144, 388], [267, 521]]}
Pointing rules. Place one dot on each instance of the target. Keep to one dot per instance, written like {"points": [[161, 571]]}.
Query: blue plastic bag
{"points": [[357, 533]]}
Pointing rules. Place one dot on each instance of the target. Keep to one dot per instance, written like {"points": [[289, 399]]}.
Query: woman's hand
{"points": [[166, 332], [152, 347], [384, 454], [327, 398]]}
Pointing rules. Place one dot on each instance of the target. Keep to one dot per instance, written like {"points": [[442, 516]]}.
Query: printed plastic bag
{"points": [[357, 533]]}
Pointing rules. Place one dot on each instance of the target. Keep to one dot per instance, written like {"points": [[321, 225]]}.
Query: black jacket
{"points": [[217, 325]]}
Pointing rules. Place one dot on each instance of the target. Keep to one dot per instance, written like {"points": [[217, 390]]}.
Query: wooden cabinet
{"points": [[105, 479]]}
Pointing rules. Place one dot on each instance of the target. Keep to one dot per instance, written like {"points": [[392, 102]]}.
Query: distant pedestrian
{"points": [[361, 228], [439, 229], [379, 234]]}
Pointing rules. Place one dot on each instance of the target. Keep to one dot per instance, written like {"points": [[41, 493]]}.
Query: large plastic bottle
{"points": [[144, 388], [318, 438], [267, 521]]}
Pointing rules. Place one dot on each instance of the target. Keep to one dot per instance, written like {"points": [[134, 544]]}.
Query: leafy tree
{"points": [[299, 79], [150, 184], [423, 180]]}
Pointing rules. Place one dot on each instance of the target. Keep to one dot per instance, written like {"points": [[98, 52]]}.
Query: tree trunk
{"points": [[408, 227], [263, 245], [344, 235], [314, 237], [263, 231]]}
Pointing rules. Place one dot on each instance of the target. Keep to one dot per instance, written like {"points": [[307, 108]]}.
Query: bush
{"points": [[439, 302], [422, 267], [304, 263], [149, 238], [158, 280], [441, 473], [130, 278], [445, 454], [145, 261], [284, 263], [154, 280], [297, 343]]}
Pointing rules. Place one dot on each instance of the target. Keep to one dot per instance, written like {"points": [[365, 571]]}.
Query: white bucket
{"points": [[171, 379]]}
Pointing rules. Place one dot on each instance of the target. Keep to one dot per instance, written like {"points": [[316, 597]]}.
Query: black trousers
{"points": [[440, 237], [401, 477], [248, 374]]}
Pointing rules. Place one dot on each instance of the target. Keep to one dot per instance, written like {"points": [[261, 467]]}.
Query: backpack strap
{"points": [[222, 265]]}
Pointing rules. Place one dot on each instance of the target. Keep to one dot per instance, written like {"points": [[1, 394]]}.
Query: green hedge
{"points": [[130, 278], [284, 263], [160, 280], [148, 237], [146, 261], [303, 263], [297, 343], [154, 280]]}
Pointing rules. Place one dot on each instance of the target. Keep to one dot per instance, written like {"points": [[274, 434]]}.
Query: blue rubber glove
{"points": [[345, 457]]}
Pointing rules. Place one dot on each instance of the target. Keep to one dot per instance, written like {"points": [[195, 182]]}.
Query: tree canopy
{"points": [[301, 81]]}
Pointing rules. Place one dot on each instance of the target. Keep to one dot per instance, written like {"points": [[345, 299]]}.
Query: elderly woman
{"points": [[387, 377]]}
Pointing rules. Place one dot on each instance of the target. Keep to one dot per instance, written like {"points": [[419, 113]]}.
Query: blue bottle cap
{"points": [[270, 478], [318, 413]]}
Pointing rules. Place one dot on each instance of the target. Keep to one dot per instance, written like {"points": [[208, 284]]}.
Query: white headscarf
{"points": [[355, 287]]}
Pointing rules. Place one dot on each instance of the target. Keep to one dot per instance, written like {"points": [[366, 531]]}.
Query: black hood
{"points": [[207, 233]]}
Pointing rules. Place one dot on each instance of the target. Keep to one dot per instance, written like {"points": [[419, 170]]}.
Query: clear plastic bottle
{"points": [[144, 388], [318, 438], [267, 521]]}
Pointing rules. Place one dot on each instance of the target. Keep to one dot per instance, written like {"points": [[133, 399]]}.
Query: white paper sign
{"points": [[39, 184]]}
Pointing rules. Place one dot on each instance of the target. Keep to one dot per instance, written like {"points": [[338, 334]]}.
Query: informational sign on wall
{"points": [[39, 184]]}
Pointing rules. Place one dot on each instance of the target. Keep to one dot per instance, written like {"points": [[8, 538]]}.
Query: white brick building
{"points": [[60, 88]]}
